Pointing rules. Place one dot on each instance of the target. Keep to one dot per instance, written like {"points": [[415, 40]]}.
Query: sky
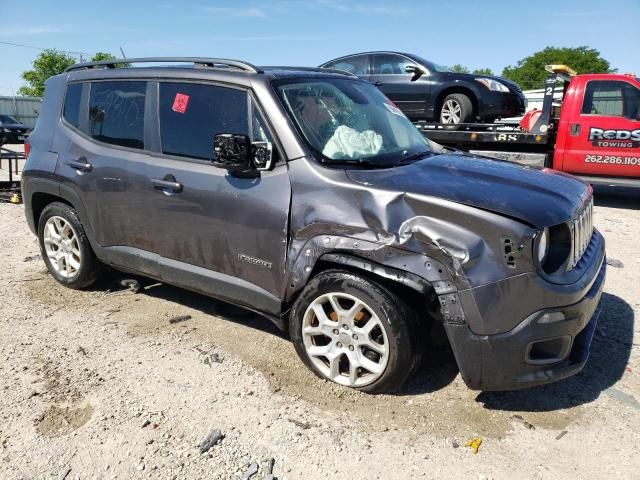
{"points": [[489, 33]]}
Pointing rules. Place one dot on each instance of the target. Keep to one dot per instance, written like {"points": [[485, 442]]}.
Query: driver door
{"points": [[389, 75], [216, 233]]}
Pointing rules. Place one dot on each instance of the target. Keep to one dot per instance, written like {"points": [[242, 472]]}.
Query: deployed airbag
{"points": [[349, 143]]}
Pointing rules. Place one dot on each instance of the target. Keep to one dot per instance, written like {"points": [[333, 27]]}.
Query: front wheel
{"points": [[456, 108], [354, 332]]}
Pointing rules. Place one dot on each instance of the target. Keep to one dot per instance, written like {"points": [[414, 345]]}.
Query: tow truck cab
{"points": [[594, 133], [599, 128]]}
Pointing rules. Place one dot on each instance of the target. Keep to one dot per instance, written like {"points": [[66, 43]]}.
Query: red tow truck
{"points": [[594, 133]]}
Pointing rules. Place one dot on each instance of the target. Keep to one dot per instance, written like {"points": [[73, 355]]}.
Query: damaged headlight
{"points": [[542, 246], [552, 247]]}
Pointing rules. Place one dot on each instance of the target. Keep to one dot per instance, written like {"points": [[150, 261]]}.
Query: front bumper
{"points": [[514, 359], [501, 105]]}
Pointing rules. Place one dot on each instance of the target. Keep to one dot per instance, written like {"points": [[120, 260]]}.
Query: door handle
{"points": [[166, 185], [378, 84], [81, 165], [574, 131]]}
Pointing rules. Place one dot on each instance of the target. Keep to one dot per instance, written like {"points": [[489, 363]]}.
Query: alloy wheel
{"points": [[345, 339], [451, 112], [62, 247]]}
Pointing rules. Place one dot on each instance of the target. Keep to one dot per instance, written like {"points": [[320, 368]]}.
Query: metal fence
{"points": [[23, 109]]}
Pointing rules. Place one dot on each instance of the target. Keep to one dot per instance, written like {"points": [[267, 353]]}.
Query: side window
{"points": [[388, 64], [191, 114], [71, 110], [259, 131], [613, 98], [116, 113], [355, 65]]}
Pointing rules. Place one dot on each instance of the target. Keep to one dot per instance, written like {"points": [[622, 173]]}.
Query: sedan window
{"points": [[355, 65], [390, 64]]}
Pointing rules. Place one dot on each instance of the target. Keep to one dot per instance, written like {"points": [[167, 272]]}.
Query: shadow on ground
{"points": [[615, 197], [203, 303], [610, 353]]}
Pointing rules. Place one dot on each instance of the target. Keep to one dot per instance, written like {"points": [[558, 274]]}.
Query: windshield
{"points": [[350, 121], [430, 65], [7, 119]]}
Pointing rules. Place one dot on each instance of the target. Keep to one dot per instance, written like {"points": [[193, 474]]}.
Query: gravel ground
{"points": [[102, 384]]}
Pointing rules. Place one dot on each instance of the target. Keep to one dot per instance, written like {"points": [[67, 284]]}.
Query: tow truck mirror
{"points": [[416, 71]]}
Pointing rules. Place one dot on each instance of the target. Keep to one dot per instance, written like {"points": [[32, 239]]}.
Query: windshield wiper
{"points": [[358, 162], [415, 156]]}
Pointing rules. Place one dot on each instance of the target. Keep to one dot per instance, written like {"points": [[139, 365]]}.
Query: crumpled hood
{"points": [[540, 198]]}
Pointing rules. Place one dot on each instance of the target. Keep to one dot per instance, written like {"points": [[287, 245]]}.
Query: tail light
{"points": [[27, 149]]}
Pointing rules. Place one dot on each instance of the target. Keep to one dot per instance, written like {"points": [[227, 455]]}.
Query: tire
{"points": [[456, 108], [379, 361], [65, 248]]}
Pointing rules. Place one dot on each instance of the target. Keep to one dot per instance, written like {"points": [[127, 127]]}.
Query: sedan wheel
{"points": [[345, 339], [62, 247], [451, 112]]}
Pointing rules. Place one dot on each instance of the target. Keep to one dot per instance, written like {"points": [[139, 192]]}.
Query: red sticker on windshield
{"points": [[180, 103]]}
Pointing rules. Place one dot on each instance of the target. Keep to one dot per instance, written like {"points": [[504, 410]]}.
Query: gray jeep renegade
{"points": [[307, 196]]}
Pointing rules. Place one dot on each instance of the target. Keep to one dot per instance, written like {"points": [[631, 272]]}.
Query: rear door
{"points": [[218, 234], [103, 161], [388, 74], [603, 133]]}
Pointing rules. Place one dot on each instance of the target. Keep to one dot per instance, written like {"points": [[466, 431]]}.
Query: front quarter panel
{"points": [[451, 246]]}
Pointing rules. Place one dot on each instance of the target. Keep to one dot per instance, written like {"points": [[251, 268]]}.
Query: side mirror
{"points": [[236, 154], [262, 153], [416, 71]]}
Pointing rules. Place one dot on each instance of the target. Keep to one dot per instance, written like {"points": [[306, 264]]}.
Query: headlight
{"points": [[542, 246], [493, 85], [552, 247], [6, 130]]}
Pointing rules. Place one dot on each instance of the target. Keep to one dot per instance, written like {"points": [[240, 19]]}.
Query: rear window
{"points": [[116, 113], [192, 114], [612, 98], [71, 110]]}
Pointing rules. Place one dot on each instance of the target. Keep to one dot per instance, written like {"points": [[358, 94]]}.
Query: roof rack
{"points": [[314, 69], [201, 62]]}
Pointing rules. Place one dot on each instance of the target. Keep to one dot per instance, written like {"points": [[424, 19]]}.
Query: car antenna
{"points": [[122, 52]]}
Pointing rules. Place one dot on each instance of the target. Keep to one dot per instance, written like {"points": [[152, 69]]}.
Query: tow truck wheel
{"points": [[355, 332], [456, 108]]}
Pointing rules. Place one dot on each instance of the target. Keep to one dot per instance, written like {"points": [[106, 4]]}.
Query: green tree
{"points": [[50, 62], [457, 68], [483, 71], [102, 56], [529, 72], [107, 56]]}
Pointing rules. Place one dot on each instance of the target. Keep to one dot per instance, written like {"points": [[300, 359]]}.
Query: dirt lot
{"points": [[101, 384]]}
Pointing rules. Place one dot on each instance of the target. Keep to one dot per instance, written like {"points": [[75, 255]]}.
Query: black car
{"points": [[307, 196], [426, 91], [11, 130]]}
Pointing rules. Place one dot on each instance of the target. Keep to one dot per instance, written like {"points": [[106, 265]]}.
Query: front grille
{"points": [[514, 86], [581, 231]]}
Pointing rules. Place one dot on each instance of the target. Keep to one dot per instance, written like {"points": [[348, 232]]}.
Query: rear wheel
{"points": [[456, 108], [65, 248], [354, 332]]}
